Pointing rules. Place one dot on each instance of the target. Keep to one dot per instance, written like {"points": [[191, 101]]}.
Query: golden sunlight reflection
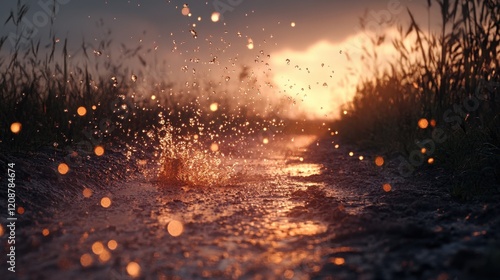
{"points": [[133, 269], [320, 78], [175, 228], [214, 107], [15, 127], [303, 169]]}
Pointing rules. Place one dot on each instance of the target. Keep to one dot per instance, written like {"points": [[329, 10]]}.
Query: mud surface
{"points": [[297, 209]]}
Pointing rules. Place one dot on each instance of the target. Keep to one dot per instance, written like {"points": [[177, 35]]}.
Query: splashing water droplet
{"points": [[215, 16], [185, 10], [194, 33]]}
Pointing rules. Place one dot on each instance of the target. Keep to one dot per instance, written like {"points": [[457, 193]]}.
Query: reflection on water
{"points": [[303, 170], [250, 227]]}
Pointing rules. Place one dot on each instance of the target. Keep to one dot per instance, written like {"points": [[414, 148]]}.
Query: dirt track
{"points": [[297, 211]]}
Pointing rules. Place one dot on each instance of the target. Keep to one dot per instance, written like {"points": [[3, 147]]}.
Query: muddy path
{"points": [[298, 209]]}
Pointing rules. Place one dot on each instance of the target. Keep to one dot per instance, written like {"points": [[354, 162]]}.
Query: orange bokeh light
{"points": [[86, 260], [175, 228], [20, 210], [387, 187], [133, 269], [112, 244], [87, 192], [99, 151], [81, 111], [379, 161], [105, 202], [16, 127], [423, 123], [63, 168]]}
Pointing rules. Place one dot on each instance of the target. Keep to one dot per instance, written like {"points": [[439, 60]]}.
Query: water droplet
{"points": [[194, 33], [215, 16]]}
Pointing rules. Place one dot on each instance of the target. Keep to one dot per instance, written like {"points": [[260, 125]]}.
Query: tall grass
{"points": [[450, 78], [43, 84]]}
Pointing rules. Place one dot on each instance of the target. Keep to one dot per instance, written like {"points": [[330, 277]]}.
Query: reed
{"points": [[450, 78]]}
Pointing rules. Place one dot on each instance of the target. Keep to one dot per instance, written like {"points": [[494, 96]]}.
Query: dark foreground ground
{"points": [[296, 210]]}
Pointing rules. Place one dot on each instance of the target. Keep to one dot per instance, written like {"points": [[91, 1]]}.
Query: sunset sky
{"points": [[300, 46]]}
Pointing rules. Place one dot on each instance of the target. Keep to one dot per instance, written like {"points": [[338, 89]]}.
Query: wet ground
{"points": [[297, 209]]}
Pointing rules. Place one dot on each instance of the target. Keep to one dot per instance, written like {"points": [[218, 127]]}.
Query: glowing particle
{"points": [[301, 159], [86, 260], [81, 111], [133, 78], [250, 44], [45, 232], [133, 269], [175, 228], [94, 107], [99, 151], [379, 161], [292, 24], [105, 202], [415, 85], [153, 97], [1, 230], [97, 248], [104, 256], [338, 261], [112, 244], [214, 107], [430, 160], [351, 154], [423, 123], [20, 210], [361, 158], [63, 168], [337, 146], [433, 123], [387, 187], [423, 150], [15, 127], [185, 10], [214, 147], [288, 274], [345, 112], [87, 192], [215, 16], [265, 141]]}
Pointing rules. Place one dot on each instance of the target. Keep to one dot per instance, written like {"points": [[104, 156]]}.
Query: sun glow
{"points": [[321, 78]]}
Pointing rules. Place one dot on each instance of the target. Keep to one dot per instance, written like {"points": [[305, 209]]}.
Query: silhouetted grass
{"points": [[43, 85], [452, 80]]}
